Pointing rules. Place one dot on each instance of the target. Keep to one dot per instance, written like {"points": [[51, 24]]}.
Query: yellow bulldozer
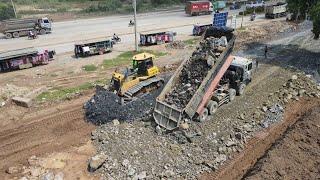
{"points": [[141, 78]]}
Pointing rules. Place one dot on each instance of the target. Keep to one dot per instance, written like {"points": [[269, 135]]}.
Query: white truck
{"points": [[20, 27], [255, 4], [276, 10]]}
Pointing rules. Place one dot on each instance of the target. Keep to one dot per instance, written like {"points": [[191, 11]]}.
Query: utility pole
{"points": [[14, 9], [242, 15], [135, 25]]}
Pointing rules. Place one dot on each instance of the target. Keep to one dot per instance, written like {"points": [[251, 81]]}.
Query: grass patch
{"points": [[125, 58], [90, 67], [66, 93], [191, 41]]}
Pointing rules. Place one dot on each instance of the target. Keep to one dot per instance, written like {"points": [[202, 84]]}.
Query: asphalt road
{"points": [[66, 34]]}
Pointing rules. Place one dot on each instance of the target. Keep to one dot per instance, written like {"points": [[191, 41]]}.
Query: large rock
{"points": [[96, 162], [48, 176], [24, 102], [13, 170], [59, 176]]}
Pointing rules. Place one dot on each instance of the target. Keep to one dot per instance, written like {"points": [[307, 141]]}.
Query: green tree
{"points": [[6, 11], [300, 9], [315, 16]]}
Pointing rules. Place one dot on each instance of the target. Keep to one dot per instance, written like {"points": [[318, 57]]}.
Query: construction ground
{"points": [[271, 132]]}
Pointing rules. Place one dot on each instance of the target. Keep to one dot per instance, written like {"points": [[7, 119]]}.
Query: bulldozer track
{"points": [[45, 134]]}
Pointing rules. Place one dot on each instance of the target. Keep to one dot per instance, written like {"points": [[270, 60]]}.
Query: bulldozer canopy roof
{"points": [[143, 56]]}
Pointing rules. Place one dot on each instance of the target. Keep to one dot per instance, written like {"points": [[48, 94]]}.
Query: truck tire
{"points": [[8, 35], [212, 107], [42, 31], [232, 94], [203, 116], [240, 89], [16, 34]]}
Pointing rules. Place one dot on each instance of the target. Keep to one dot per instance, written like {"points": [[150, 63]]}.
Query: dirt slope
{"points": [[44, 133], [293, 156]]}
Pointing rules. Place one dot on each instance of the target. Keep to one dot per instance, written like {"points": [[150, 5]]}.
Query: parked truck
{"points": [[24, 58], [276, 10], [255, 4], [20, 27], [92, 47], [219, 5], [227, 77], [195, 8], [199, 29], [156, 37]]}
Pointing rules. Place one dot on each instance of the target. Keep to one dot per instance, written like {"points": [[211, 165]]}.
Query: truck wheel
{"points": [[16, 35], [8, 35], [42, 31], [204, 115], [212, 107], [232, 94], [240, 89]]}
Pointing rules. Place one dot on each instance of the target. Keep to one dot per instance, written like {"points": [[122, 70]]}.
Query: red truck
{"points": [[194, 8]]}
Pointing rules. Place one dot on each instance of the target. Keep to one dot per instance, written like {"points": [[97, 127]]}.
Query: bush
{"points": [[251, 10], [315, 15], [105, 6], [6, 11]]}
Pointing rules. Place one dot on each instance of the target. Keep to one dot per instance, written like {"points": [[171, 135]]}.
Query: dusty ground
{"points": [[51, 137], [295, 155], [51, 130]]}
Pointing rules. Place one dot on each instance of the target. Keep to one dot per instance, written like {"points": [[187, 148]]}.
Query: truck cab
{"points": [[244, 65], [211, 8], [45, 23]]}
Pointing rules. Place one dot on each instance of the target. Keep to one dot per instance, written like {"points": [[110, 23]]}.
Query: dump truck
{"points": [[92, 47], [20, 27], [255, 4], [276, 10], [24, 58], [156, 37], [224, 77], [195, 8], [219, 5]]}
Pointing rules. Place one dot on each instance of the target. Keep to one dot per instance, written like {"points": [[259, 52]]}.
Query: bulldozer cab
{"points": [[142, 62]]}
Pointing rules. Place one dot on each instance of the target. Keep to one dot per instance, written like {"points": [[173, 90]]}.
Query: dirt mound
{"points": [[295, 155], [106, 106], [264, 32]]}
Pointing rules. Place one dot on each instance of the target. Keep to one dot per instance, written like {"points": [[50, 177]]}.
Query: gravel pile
{"points": [[191, 77], [105, 106], [273, 115]]}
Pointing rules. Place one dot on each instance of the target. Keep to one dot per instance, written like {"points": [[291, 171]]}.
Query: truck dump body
{"points": [[11, 25], [17, 53], [24, 58], [277, 10], [198, 7], [93, 47], [173, 104], [156, 37]]}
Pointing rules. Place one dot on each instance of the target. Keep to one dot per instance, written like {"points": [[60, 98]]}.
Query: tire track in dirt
{"points": [[48, 133]]}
